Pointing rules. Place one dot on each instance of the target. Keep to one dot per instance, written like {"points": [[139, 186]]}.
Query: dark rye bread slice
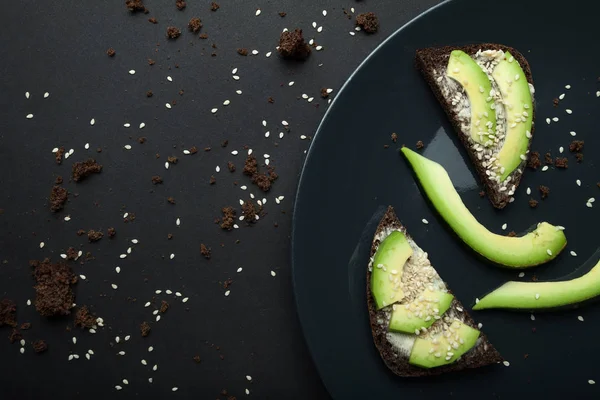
{"points": [[482, 355], [437, 58]]}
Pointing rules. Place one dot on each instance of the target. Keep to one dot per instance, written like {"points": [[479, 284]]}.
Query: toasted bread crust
{"points": [[484, 354], [437, 58]]}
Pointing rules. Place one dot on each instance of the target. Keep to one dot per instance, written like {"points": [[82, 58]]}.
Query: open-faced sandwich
{"points": [[418, 326], [487, 92]]}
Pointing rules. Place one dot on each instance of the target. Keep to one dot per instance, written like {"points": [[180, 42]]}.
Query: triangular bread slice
{"points": [[432, 63], [396, 358]]}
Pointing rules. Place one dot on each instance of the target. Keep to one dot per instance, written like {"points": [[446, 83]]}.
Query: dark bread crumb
{"points": [[135, 6], [58, 180], [111, 52], [282, 14], [94, 236], [25, 326], [242, 51], [534, 160], [180, 4], [149, 93], [156, 179], [193, 150], [203, 36], [394, 137], [53, 294], [8, 311], [270, 100], [15, 336], [205, 251], [368, 22], [533, 203], [548, 159], [555, 102], [151, 61], [164, 306], [111, 232], [561, 162], [230, 166], [58, 156], [196, 358], [171, 200], [58, 198], [292, 45], [249, 212], [482, 193], [579, 157], [511, 234], [195, 24], [576, 146], [228, 219], [228, 282], [84, 169], [172, 159], [324, 93], [142, 140], [224, 143], [84, 318], [212, 180], [214, 6], [145, 329], [72, 254], [169, 236], [173, 32], [153, 20], [544, 190], [419, 145], [81, 232], [40, 346]]}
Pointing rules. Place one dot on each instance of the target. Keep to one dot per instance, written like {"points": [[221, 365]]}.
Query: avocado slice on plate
{"points": [[463, 69], [388, 264], [420, 313], [437, 349], [517, 99], [536, 247], [544, 295]]}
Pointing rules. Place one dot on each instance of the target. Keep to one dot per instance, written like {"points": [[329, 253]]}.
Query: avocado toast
{"points": [[487, 93], [418, 325]]}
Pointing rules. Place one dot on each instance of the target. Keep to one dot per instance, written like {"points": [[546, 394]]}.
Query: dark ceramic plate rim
{"points": [[316, 136]]}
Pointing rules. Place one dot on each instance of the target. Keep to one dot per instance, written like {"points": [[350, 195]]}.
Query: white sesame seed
{"points": [[549, 252], [127, 147], [569, 111], [168, 105], [150, 380], [268, 54], [157, 318], [74, 340], [537, 296], [125, 382], [70, 358], [591, 200], [218, 169], [573, 133], [506, 363], [589, 205], [22, 342], [147, 304], [476, 300], [214, 110], [561, 149], [166, 165], [528, 190], [257, 12], [177, 222], [521, 274], [63, 256], [480, 325], [568, 87], [88, 356], [254, 52], [314, 24], [239, 269], [598, 93], [578, 182], [90, 351], [67, 218], [235, 77], [46, 95], [284, 123], [54, 150], [580, 318], [320, 29], [424, 221], [352, 33], [150, 349], [185, 299], [273, 273], [127, 337], [281, 134], [545, 168], [142, 125], [247, 391], [29, 116], [226, 102], [92, 330], [310, 99], [591, 382], [172, 256], [114, 286], [175, 388], [121, 353], [155, 367], [324, 13], [238, 91], [227, 293], [504, 227], [123, 256], [28, 302], [555, 119], [118, 387], [86, 146], [548, 121], [248, 377], [233, 71], [532, 317], [158, 291], [169, 79], [132, 72], [92, 121], [319, 48], [562, 96]]}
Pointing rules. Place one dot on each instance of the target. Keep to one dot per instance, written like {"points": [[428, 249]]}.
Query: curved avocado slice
{"points": [[535, 248], [543, 295], [388, 264], [514, 88], [430, 351], [420, 313], [463, 69]]}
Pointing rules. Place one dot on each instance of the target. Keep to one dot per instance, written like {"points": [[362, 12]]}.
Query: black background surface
{"points": [[60, 47], [551, 356]]}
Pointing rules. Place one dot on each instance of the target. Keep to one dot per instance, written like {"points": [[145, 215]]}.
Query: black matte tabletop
{"points": [[228, 325]]}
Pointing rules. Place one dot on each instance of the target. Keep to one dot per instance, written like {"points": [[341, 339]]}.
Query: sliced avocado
{"points": [[514, 88], [422, 312], [388, 264], [435, 350], [543, 295], [463, 69], [537, 247]]}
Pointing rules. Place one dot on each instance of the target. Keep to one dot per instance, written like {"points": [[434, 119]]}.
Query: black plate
{"points": [[349, 177]]}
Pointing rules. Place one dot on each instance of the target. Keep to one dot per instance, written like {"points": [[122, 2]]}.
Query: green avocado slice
{"points": [[420, 313], [430, 351], [543, 295], [463, 69], [514, 88], [388, 264], [537, 247]]}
